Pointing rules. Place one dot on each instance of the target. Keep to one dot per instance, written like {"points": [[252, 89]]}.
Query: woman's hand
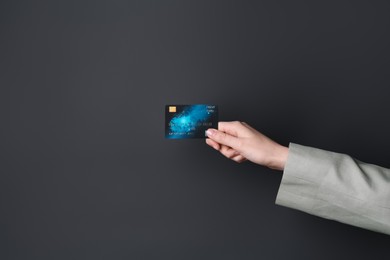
{"points": [[240, 142]]}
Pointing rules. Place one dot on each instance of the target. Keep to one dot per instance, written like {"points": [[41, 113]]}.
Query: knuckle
{"points": [[231, 156], [237, 123], [221, 136], [237, 160], [239, 144], [226, 155]]}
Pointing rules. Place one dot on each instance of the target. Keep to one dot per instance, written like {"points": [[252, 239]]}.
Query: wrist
{"points": [[279, 158]]}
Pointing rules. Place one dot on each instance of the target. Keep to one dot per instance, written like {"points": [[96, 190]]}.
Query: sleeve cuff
{"points": [[300, 183]]}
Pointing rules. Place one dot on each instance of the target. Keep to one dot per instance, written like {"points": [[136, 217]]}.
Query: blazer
{"points": [[337, 187]]}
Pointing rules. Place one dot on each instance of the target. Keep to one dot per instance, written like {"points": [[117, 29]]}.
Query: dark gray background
{"points": [[86, 172]]}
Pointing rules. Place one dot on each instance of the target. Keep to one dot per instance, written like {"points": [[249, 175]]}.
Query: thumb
{"points": [[222, 138]]}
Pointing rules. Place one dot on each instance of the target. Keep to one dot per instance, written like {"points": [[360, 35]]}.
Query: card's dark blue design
{"points": [[189, 121]]}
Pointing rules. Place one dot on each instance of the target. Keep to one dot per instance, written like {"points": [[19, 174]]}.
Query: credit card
{"points": [[189, 121]]}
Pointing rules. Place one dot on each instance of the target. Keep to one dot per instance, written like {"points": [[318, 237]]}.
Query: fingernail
{"points": [[210, 132]]}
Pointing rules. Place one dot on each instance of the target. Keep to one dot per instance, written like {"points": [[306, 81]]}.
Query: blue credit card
{"points": [[189, 121]]}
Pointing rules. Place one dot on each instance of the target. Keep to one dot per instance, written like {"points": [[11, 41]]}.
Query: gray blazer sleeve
{"points": [[336, 186]]}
